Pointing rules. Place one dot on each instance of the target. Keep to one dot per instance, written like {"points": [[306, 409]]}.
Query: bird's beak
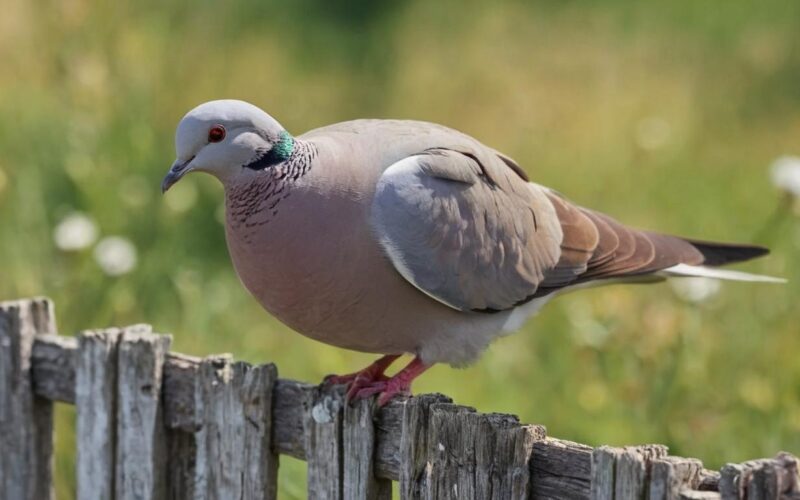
{"points": [[178, 170]]}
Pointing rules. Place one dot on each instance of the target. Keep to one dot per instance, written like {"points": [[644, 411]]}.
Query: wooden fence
{"points": [[152, 424]]}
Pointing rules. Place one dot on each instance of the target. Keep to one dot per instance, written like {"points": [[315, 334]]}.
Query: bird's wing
{"points": [[465, 228]]}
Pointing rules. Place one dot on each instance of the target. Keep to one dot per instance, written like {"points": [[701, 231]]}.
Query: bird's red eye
{"points": [[216, 133]]}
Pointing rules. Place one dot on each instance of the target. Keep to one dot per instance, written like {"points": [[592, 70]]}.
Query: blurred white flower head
{"points": [[75, 232], [653, 133], [695, 289], [115, 255], [785, 173]]}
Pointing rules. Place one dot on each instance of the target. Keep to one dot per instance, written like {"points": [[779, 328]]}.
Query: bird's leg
{"points": [[400, 383], [371, 373]]}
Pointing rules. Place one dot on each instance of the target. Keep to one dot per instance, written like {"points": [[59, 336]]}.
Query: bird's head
{"points": [[227, 139]]}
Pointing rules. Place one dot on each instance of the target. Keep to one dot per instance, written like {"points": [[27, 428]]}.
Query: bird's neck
{"points": [[257, 196], [280, 152]]}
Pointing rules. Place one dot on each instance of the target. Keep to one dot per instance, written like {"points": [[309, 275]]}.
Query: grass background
{"points": [[663, 114]]}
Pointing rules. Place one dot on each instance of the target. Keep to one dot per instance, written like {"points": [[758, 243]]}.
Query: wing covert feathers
{"points": [[463, 225]]}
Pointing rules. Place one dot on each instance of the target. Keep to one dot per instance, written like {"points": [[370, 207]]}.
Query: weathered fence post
{"points": [[550, 457], [471, 455], [96, 403], [120, 431], [178, 392], [323, 442], [671, 475], [141, 447], [620, 473], [233, 405], [26, 420], [153, 424], [359, 446], [414, 474], [769, 478]]}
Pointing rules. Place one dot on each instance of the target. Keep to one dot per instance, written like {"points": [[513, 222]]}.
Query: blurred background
{"points": [[680, 116]]}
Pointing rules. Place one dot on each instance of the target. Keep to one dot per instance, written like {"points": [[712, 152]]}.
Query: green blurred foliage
{"points": [[664, 114]]}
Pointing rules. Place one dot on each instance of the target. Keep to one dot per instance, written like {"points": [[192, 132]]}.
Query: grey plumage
{"points": [[409, 237]]}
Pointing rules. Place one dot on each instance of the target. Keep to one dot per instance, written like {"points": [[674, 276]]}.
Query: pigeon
{"points": [[400, 237]]}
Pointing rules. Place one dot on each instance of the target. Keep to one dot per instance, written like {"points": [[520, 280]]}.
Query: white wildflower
{"points": [[115, 255], [695, 289], [652, 133], [75, 232], [786, 174]]}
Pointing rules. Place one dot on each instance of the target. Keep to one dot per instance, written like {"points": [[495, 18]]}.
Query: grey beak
{"points": [[178, 169]]}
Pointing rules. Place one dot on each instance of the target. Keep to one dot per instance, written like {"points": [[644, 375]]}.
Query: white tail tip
{"points": [[685, 270]]}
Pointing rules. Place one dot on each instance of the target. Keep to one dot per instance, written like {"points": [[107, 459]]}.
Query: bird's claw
{"points": [[371, 380], [339, 379], [386, 389]]}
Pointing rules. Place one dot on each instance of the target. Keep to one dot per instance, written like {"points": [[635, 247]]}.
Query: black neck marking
{"points": [[281, 151]]}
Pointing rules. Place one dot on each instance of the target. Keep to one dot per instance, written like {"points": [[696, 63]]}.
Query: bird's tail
{"points": [[720, 254], [689, 271]]}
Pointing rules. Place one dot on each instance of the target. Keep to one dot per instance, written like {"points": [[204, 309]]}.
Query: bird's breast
{"points": [[301, 253]]}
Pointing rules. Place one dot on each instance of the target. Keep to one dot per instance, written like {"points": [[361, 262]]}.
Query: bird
{"points": [[399, 237]]}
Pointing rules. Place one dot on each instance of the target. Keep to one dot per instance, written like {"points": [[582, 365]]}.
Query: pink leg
{"points": [[389, 388], [369, 374]]}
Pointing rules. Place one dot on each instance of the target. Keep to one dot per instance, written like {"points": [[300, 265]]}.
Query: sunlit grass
{"points": [[665, 116]]}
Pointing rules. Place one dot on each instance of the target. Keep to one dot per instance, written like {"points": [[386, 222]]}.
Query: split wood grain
{"points": [[26, 419], [323, 442], [358, 451], [769, 478], [140, 434], [234, 456], [561, 469], [96, 402]]}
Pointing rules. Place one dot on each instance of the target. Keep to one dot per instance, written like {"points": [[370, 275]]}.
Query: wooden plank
{"points": [[604, 470], [670, 475], [140, 471], [181, 464], [632, 478], [26, 420], [180, 372], [503, 450], [216, 436], [323, 433], [473, 455], [261, 463], [451, 466], [54, 364], [769, 478], [234, 442], [623, 472], [730, 486], [96, 402], [358, 443], [414, 477], [561, 469], [388, 431], [289, 402]]}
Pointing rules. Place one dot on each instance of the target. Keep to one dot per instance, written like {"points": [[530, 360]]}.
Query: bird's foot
{"points": [[372, 373], [398, 385]]}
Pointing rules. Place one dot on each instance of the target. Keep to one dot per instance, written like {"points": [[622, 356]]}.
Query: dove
{"points": [[400, 237]]}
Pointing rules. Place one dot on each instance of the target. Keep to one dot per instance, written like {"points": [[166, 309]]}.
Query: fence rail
{"points": [[152, 424]]}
